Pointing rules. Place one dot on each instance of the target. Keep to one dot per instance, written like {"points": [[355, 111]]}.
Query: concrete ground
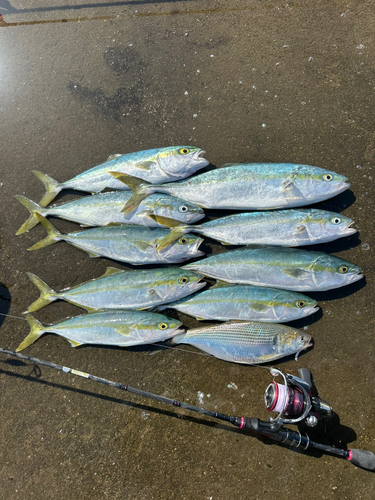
{"points": [[248, 81]]}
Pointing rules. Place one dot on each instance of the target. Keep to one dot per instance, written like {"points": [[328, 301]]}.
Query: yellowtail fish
{"points": [[133, 244], [248, 186], [289, 228], [153, 165], [279, 267], [248, 342], [224, 302], [105, 208], [113, 327], [119, 289]]}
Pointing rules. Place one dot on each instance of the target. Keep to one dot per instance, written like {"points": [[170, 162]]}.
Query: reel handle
{"points": [[306, 376], [363, 459]]}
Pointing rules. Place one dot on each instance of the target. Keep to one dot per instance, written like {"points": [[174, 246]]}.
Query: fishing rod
{"points": [[293, 401]]}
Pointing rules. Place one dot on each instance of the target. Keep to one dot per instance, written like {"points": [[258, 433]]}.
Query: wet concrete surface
{"points": [[248, 82]]}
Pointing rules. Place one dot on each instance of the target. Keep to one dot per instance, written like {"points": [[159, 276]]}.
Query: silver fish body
{"points": [[248, 342], [114, 327], [250, 186], [118, 289], [245, 303], [153, 165], [105, 208], [294, 227], [132, 244], [279, 267]]}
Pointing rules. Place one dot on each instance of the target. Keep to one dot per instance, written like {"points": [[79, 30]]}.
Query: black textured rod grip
{"points": [[363, 459], [306, 376]]}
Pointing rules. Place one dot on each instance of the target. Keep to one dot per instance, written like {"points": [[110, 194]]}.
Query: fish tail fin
{"points": [[47, 294], [52, 186], [141, 189], [177, 230], [36, 331], [52, 236], [32, 207]]}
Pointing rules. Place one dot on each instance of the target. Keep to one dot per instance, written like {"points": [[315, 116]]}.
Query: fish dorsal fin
{"points": [[220, 284], [231, 165], [113, 157], [111, 271], [296, 272]]}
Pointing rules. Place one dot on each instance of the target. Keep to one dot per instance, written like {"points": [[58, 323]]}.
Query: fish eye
{"points": [[183, 208], [344, 269], [327, 177], [182, 241], [302, 338], [336, 220], [300, 303], [184, 151], [162, 326], [183, 280]]}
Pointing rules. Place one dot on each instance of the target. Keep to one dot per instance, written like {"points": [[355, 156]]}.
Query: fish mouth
{"points": [[195, 216], [199, 157], [349, 230], [310, 310], [177, 331], [356, 277], [198, 284], [306, 346]]}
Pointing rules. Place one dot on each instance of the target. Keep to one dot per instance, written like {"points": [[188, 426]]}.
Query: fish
{"points": [[293, 227], [113, 327], [224, 302], [153, 165], [279, 267], [246, 342], [126, 243], [105, 208], [120, 289], [247, 186]]}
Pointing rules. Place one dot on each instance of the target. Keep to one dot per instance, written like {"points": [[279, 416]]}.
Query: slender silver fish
{"points": [[224, 302], [289, 228], [105, 208], [248, 186], [113, 327], [248, 343], [119, 289], [154, 165], [133, 244], [279, 267]]}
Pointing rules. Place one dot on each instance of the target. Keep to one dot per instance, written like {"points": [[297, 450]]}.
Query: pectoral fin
{"points": [[145, 165], [74, 343], [296, 272], [258, 307], [124, 330]]}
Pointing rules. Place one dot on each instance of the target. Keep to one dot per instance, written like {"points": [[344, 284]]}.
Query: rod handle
{"points": [[363, 459]]}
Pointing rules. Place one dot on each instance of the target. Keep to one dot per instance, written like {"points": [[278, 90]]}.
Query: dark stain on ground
{"points": [[123, 62]]}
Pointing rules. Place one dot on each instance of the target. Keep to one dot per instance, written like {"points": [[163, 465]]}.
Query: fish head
{"points": [[288, 305], [323, 226], [157, 326], [174, 208], [185, 248], [333, 272], [314, 184], [178, 162], [178, 283], [293, 341]]}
